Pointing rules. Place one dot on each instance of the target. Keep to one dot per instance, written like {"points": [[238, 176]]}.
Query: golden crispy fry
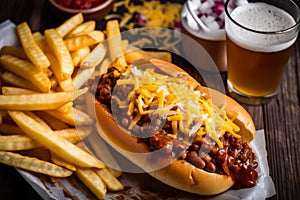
{"points": [[9, 129], [76, 117], [115, 39], [82, 77], [111, 182], [115, 44], [23, 142], [7, 90], [17, 143], [65, 108], [92, 181], [102, 152], [66, 85], [136, 54], [27, 71], [14, 51], [74, 135], [57, 160], [104, 65], [54, 142], [79, 55], [15, 80], [54, 123], [32, 50], [39, 101], [163, 55], [95, 57], [69, 24], [85, 40], [65, 66], [83, 28], [33, 164], [38, 119]]}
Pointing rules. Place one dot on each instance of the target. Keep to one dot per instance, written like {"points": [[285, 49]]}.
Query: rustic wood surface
{"points": [[280, 118]]}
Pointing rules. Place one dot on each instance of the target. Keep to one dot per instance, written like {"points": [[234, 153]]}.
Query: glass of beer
{"points": [[259, 39]]}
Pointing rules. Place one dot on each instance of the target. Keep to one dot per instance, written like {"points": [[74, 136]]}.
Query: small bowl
{"points": [[96, 13]]}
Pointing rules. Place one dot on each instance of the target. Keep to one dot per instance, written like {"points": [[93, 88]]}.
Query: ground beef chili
{"points": [[235, 159]]}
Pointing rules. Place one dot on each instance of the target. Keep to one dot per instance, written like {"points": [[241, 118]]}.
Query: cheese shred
{"points": [[175, 100]]}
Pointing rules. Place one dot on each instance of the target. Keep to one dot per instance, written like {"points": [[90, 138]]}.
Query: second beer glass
{"points": [[259, 40]]}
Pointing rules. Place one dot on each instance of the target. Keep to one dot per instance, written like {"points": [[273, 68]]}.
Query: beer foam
{"points": [[261, 17]]}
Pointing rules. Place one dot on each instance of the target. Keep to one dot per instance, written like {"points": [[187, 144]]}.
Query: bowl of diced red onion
{"points": [[91, 9], [204, 21]]}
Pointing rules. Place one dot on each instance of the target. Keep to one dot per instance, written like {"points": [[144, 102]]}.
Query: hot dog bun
{"points": [[179, 173]]}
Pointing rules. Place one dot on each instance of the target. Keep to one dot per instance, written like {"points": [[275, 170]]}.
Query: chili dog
{"points": [[202, 136]]}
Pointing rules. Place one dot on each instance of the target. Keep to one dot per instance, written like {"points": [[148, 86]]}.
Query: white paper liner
{"points": [[71, 188]]}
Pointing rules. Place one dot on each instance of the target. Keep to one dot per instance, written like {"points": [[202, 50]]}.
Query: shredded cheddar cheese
{"points": [[175, 100]]}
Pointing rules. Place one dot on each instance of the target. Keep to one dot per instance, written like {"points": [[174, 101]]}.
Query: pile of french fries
{"points": [[41, 130], [40, 81]]}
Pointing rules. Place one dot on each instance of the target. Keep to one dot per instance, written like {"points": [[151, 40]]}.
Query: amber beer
{"points": [[257, 55], [255, 73]]}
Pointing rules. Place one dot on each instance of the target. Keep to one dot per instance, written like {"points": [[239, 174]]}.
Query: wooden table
{"points": [[280, 118]]}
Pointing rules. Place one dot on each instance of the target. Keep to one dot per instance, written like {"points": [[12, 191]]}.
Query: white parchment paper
{"points": [[71, 188]]}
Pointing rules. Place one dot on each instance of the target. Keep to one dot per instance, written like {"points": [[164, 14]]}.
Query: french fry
{"points": [[134, 55], [69, 24], [9, 129], [95, 57], [92, 181], [74, 135], [17, 143], [66, 85], [112, 183], [32, 50], [54, 123], [65, 66], [85, 40], [82, 77], [23, 142], [102, 152], [54, 142], [75, 117], [83, 28], [58, 161], [115, 44], [114, 39], [7, 90], [39, 101], [65, 108], [14, 51], [33, 164], [137, 54], [18, 81], [38, 119], [79, 55], [27, 71], [104, 65]]}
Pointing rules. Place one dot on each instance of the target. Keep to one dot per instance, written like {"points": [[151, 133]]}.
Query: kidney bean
{"points": [[210, 167], [195, 160]]}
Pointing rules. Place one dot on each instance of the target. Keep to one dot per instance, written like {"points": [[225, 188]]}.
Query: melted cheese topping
{"points": [[175, 100]]}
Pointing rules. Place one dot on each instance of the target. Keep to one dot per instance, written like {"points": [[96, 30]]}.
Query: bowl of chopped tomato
{"points": [[91, 9]]}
